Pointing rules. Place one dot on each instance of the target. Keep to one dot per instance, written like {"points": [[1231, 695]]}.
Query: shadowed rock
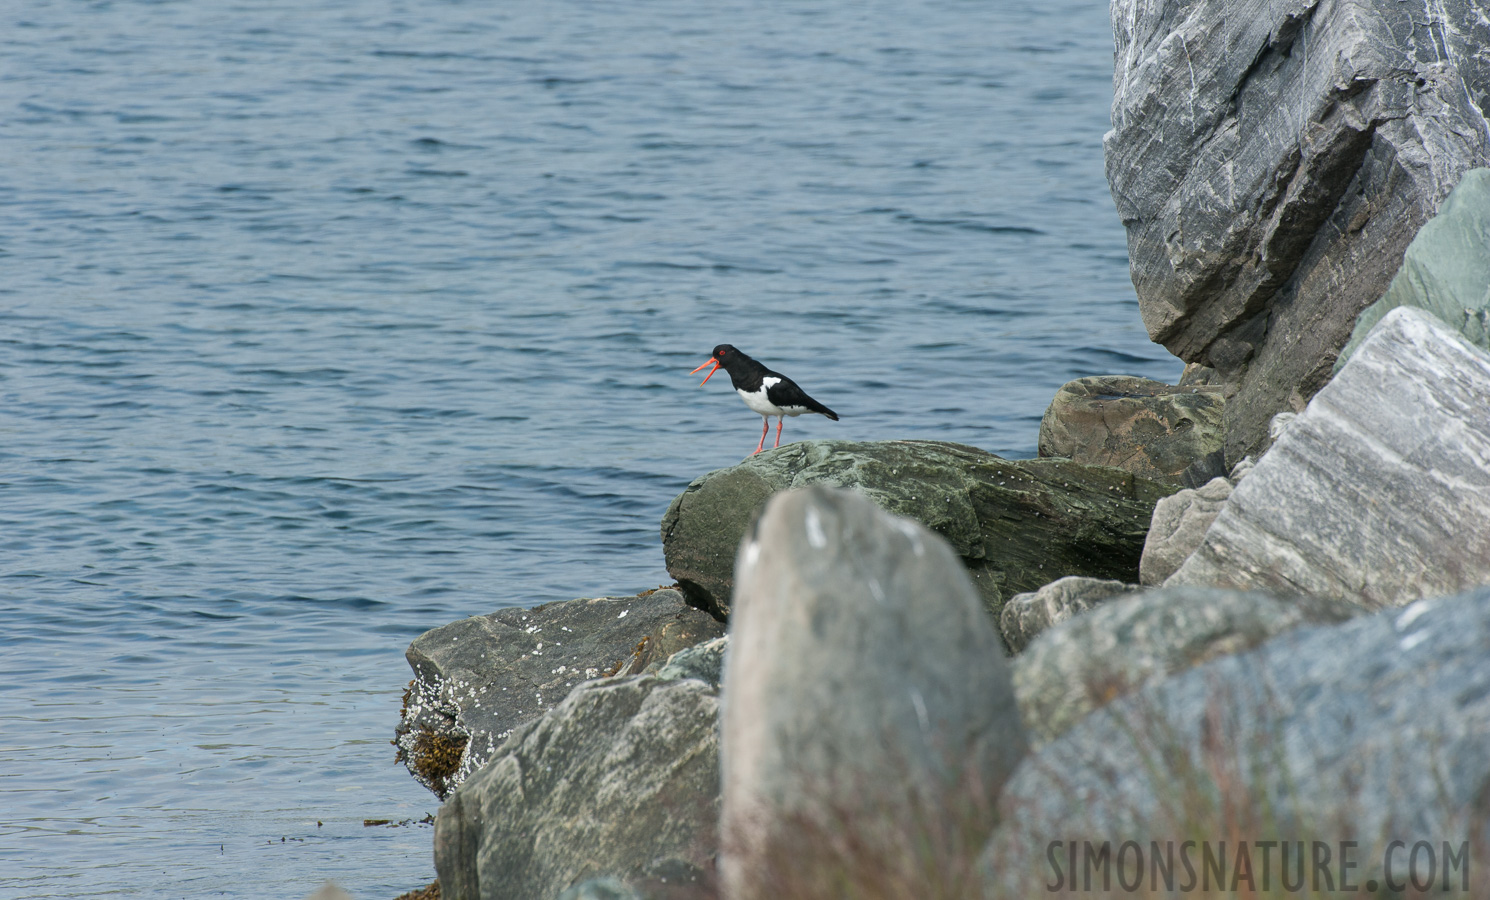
{"points": [[477, 679], [1028, 614], [1271, 160], [1016, 524], [1372, 730], [619, 779], [1379, 492], [1147, 427], [868, 714], [1129, 642]]}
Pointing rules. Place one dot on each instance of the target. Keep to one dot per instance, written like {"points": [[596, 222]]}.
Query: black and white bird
{"points": [[766, 392]]}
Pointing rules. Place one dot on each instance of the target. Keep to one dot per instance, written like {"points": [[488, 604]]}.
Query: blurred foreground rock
{"points": [[1016, 524], [1379, 492], [1272, 160], [1372, 730], [619, 779], [477, 679], [869, 719], [602, 889], [1147, 427], [1132, 641]]}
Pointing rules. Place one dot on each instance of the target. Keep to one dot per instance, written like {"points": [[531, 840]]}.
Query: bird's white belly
{"points": [[761, 404]]}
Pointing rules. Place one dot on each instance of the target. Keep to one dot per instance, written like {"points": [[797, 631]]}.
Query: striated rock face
{"points": [[1129, 642], [619, 779], [1150, 428], [1372, 730], [1016, 524], [1446, 271], [1379, 492], [1271, 160], [477, 679], [1028, 614], [1179, 525], [868, 711]]}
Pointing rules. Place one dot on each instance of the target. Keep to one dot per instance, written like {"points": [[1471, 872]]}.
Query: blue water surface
{"points": [[325, 323]]}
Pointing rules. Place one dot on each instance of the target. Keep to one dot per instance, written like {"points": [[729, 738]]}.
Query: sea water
{"points": [[326, 323]]}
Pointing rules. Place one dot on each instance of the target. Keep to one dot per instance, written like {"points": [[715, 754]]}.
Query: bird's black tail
{"points": [[819, 408]]}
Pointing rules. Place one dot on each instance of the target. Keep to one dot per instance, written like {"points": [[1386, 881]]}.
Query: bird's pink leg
{"points": [[765, 426], [779, 421]]}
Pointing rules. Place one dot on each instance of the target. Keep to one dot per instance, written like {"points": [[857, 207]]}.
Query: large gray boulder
{"points": [[477, 679], [1446, 271], [1370, 731], [1129, 642], [1150, 428], [1026, 615], [868, 712], [1016, 524], [1379, 492], [619, 779], [1271, 160], [1178, 527]]}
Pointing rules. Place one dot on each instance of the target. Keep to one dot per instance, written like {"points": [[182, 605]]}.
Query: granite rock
{"points": [[1015, 524], [1372, 730], [868, 707], [1379, 492], [703, 661], [1271, 161], [619, 779], [1129, 642], [1150, 428], [1446, 270], [1028, 614], [1179, 525], [477, 679]]}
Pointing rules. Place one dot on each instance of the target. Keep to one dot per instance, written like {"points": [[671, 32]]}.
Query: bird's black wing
{"points": [[786, 393]]}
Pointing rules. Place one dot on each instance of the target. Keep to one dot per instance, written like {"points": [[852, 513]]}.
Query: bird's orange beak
{"points": [[712, 362]]}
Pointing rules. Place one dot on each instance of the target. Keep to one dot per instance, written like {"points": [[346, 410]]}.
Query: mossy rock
{"points": [[1016, 524]]}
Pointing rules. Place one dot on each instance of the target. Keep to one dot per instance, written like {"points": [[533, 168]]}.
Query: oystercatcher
{"points": [[768, 393]]}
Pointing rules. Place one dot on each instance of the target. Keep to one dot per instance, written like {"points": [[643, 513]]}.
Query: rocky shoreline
{"points": [[1245, 611]]}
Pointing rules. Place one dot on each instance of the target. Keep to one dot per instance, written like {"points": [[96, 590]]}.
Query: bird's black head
{"points": [[723, 357]]}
